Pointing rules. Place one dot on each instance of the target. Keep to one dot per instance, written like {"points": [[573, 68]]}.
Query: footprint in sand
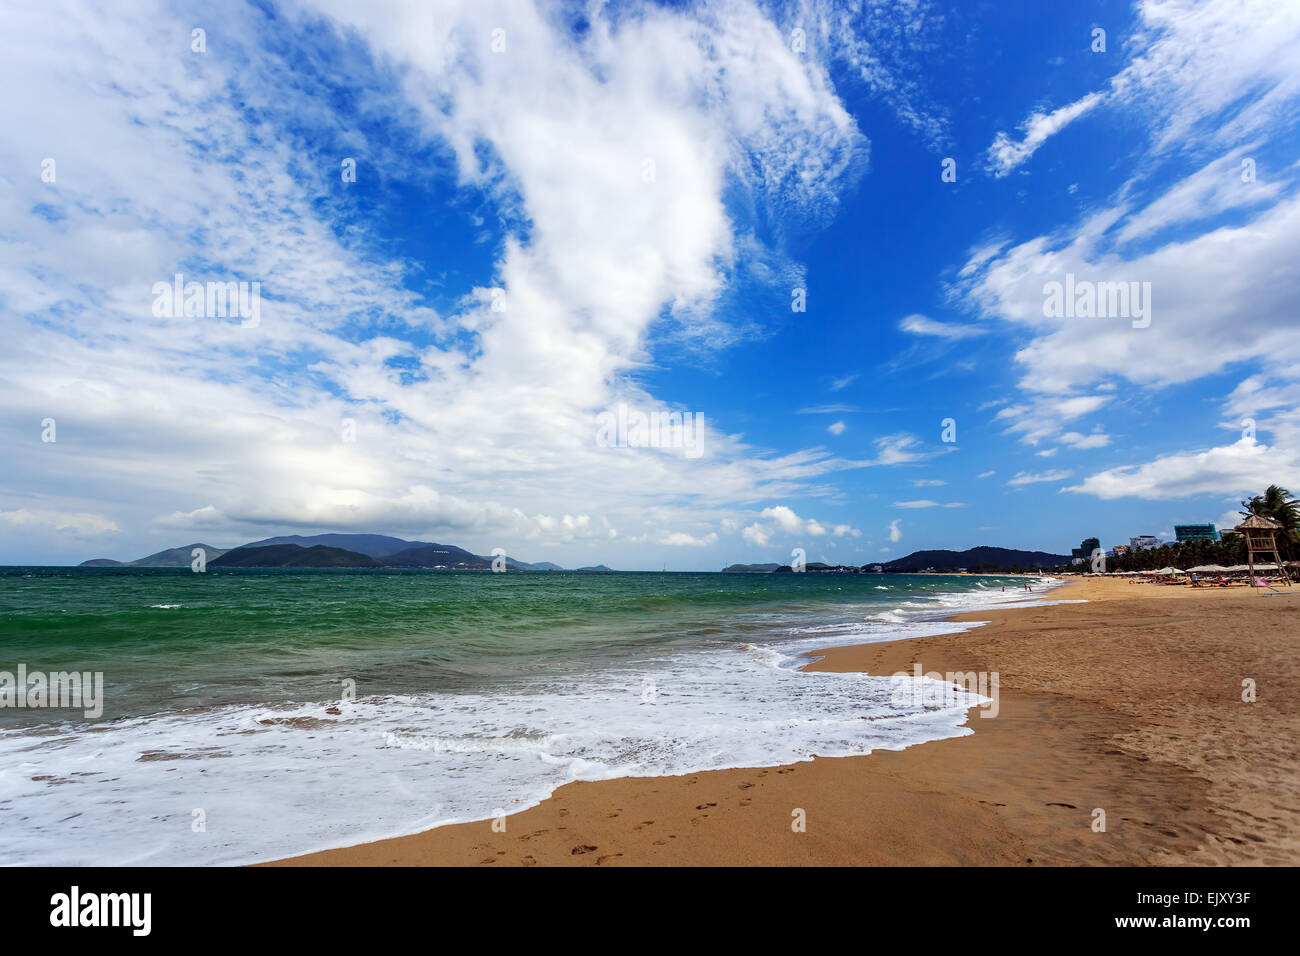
{"points": [[582, 848]]}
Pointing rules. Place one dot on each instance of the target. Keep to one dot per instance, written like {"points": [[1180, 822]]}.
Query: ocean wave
{"points": [[127, 791]]}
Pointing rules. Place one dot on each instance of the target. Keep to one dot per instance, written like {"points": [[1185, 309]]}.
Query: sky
{"points": [[836, 238]]}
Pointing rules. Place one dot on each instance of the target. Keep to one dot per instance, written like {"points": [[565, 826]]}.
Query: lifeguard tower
{"points": [[1261, 539]]}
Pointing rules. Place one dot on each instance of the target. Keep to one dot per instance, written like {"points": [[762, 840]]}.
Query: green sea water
{"points": [[169, 638], [306, 709]]}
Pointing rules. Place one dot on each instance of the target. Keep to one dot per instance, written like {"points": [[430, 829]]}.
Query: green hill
{"points": [[974, 559], [294, 556], [171, 558]]}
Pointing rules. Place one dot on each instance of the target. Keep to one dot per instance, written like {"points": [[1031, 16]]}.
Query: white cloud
{"points": [[1192, 64], [205, 517], [921, 325], [1213, 83], [1229, 519], [1078, 440], [927, 503], [1037, 421], [836, 428], [1029, 478], [1216, 187], [681, 539], [1217, 299], [900, 449], [79, 523], [451, 409], [895, 531], [1195, 59], [783, 519], [1244, 467], [1006, 154]]}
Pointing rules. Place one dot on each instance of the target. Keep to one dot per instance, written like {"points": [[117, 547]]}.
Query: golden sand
{"points": [[1130, 703]]}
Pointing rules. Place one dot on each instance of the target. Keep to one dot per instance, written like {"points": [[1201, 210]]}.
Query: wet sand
{"points": [[1130, 704]]}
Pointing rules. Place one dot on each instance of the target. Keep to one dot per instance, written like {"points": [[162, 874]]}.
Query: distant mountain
{"points": [[293, 556], [974, 559], [436, 556], [400, 553], [375, 545], [384, 549], [171, 558], [750, 568], [818, 567], [597, 567]]}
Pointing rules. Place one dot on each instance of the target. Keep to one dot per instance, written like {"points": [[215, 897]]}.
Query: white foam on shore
{"points": [[275, 781]]}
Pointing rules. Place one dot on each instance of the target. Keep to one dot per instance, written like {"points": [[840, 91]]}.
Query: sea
{"points": [[251, 715]]}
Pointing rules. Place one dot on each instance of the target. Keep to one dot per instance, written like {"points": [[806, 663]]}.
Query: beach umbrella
{"points": [[1207, 567]]}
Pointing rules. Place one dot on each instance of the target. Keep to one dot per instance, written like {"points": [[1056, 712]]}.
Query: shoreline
{"points": [[1128, 704]]}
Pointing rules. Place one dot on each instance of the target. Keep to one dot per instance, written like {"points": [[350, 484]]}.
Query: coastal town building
{"points": [[1196, 532], [1084, 551], [1261, 549]]}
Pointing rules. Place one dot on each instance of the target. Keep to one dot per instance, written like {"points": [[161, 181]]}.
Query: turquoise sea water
{"points": [[360, 704]]}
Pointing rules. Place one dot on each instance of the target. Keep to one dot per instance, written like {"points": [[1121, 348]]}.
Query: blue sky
{"points": [[563, 208]]}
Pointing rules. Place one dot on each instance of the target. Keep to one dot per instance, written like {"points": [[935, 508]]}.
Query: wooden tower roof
{"points": [[1258, 523]]}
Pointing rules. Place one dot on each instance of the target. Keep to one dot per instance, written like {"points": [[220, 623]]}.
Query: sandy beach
{"points": [[1130, 703]]}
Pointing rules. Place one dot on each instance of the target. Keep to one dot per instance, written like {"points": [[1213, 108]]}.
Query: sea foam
{"points": [[249, 783]]}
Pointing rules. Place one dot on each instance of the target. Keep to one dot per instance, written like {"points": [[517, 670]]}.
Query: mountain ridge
{"points": [[293, 556], [167, 558], [972, 559], [383, 550]]}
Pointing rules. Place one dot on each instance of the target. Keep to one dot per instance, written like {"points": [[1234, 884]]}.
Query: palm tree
{"points": [[1276, 503], [1281, 506]]}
